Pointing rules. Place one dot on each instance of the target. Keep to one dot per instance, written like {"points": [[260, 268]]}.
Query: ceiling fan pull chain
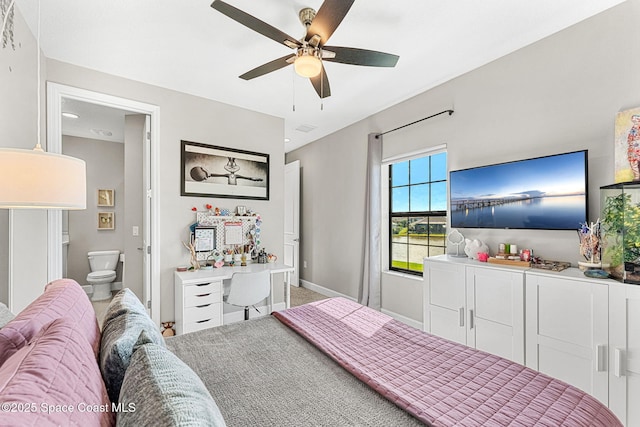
{"points": [[322, 88]]}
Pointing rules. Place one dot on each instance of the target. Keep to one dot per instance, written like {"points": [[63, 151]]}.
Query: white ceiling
{"points": [[187, 46]]}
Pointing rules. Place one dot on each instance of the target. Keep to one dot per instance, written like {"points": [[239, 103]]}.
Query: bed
{"points": [[335, 362]]}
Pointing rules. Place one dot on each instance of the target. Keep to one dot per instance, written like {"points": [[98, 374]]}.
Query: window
{"points": [[417, 211]]}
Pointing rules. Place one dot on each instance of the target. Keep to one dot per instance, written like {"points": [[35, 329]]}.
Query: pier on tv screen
{"points": [[545, 193]]}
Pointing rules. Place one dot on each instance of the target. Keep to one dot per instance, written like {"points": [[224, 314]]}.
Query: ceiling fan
{"points": [[311, 50]]}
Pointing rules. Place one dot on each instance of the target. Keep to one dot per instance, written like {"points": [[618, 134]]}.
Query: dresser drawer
{"points": [[202, 299], [203, 312], [205, 288]]}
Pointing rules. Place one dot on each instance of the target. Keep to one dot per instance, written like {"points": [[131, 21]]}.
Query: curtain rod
{"points": [[413, 123]]}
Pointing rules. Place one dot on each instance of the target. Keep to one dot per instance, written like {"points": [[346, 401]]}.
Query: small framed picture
{"points": [[204, 239], [106, 220], [105, 197]]}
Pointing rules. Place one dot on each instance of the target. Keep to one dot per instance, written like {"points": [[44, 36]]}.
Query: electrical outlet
{"points": [[136, 230], [304, 263]]}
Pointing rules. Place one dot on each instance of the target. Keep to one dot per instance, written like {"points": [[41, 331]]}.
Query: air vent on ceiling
{"points": [[305, 128]]}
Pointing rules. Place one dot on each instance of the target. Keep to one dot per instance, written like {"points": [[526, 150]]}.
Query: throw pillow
{"points": [[54, 380], [125, 318], [164, 391], [61, 298]]}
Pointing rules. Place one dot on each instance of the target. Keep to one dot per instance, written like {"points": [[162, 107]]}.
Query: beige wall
{"points": [[105, 170], [192, 118], [557, 95]]}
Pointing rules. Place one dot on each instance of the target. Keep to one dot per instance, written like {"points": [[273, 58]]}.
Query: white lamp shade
{"points": [[31, 179], [307, 65]]}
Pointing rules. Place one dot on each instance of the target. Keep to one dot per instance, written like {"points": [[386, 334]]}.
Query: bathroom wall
{"points": [[105, 170]]}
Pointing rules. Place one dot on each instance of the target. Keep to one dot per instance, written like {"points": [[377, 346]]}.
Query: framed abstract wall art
{"points": [[212, 171], [627, 146]]}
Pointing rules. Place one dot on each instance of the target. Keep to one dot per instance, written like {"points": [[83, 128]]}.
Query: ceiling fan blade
{"points": [[321, 84], [355, 56], [329, 16], [274, 65], [255, 24]]}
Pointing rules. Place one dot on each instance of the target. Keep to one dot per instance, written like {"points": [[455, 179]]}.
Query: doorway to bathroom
{"points": [[116, 138]]}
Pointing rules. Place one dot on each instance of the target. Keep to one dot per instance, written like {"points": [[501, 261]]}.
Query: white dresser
{"points": [[480, 305], [583, 331]]}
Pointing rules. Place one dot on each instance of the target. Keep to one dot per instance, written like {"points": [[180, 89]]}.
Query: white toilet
{"points": [[103, 271]]}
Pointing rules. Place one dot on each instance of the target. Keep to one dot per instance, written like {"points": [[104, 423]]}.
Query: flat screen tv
{"points": [[544, 193]]}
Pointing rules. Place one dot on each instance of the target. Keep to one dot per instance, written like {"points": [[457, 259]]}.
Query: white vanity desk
{"points": [[198, 294]]}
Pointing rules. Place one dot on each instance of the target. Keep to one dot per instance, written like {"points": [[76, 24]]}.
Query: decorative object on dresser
{"points": [[620, 216], [473, 247], [547, 264], [590, 245], [456, 238]]}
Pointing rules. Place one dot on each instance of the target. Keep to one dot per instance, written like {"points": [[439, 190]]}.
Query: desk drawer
{"points": [[202, 299], [203, 312], [205, 288], [203, 324]]}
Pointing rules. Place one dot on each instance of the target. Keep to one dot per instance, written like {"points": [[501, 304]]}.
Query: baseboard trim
{"points": [[238, 316], [403, 319], [322, 290]]}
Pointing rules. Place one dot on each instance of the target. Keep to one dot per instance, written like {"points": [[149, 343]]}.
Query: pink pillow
{"points": [[54, 380], [61, 298]]}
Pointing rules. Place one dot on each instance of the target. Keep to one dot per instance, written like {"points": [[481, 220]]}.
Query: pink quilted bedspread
{"points": [[440, 382]]}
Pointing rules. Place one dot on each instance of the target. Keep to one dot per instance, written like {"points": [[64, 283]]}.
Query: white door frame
{"points": [[55, 93], [292, 219]]}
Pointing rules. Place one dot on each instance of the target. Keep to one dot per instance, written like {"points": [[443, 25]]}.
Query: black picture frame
{"points": [[214, 171]]}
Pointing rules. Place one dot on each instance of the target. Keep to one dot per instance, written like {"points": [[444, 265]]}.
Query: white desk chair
{"points": [[248, 289]]}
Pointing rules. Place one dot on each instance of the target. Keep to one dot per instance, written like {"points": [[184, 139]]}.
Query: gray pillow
{"points": [[5, 315], [159, 390], [125, 318]]}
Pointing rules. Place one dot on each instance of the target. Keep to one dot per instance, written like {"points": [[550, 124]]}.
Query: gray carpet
{"points": [[300, 296], [263, 374]]}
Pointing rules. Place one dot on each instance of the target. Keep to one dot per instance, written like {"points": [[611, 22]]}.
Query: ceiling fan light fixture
{"points": [[308, 65]]}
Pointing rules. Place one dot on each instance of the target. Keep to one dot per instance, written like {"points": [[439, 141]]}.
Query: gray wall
{"points": [[18, 116], [133, 201], [105, 170], [557, 95]]}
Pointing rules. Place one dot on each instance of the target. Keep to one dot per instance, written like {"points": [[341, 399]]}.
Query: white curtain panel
{"points": [[369, 292]]}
